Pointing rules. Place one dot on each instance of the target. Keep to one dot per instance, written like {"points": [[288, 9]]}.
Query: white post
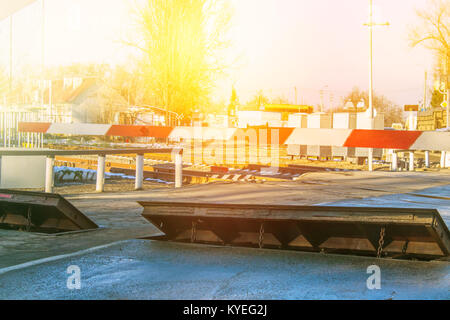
{"points": [[427, 159], [8, 123], [443, 159], [100, 173], [4, 129], [370, 159], [19, 142], [178, 169], [411, 161], [139, 171], [49, 175], [411, 121], [394, 165]]}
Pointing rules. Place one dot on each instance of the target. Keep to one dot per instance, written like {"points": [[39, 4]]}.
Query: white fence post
{"points": [[139, 171], [100, 173], [49, 174], [427, 159], [394, 164], [370, 159], [411, 161]]}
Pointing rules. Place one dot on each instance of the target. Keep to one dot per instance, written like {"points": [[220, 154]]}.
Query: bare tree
{"points": [[392, 113], [280, 99], [258, 100], [182, 43], [433, 31]]}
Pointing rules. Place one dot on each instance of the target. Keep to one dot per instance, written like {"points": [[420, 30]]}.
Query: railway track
{"points": [[164, 170]]}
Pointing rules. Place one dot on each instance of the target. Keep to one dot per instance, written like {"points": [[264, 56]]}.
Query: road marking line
{"points": [[55, 258]]}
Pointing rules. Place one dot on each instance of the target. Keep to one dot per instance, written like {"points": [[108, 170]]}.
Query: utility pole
{"points": [[295, 88], [371, 24], [425, 92], [331, 101], [50, 100], [42, 51], [322, 93], [10, 58], [321, 100]]}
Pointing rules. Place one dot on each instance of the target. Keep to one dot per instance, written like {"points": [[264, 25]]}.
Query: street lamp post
{"points": [[43, 53], [10, 58], [371, 24]]}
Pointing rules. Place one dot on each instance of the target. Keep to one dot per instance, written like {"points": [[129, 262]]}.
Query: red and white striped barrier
{"points": [[89, 129], [383, 139]]}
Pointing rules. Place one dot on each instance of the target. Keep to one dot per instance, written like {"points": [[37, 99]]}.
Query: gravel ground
{"points": [[111, 186]]}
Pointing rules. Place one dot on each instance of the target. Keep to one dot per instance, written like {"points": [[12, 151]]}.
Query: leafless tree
{"points": [[433, 30], [182, 42]]}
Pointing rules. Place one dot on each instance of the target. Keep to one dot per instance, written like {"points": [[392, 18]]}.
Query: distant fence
{"points": [[101, 162], [11, 136]]}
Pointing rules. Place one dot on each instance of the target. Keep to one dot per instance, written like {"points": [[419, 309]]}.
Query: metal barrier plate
{"points": [[40, 212], [383, 232]]}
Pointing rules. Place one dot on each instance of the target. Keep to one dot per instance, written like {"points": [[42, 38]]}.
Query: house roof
{"points": [[88, 89], [88, 85], [68, 95]]}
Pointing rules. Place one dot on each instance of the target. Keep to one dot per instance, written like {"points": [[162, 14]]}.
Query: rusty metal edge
{"points": [[436, 220], [63, 205], [290, 207]]}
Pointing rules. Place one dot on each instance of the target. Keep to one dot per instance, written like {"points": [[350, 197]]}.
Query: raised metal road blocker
{"points": [[401, 233], [40, 212]]}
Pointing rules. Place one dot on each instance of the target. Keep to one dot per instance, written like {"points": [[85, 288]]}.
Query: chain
{"points": [[29, 219], [194, 232], [405, 247], [261, 235], [381, 242]]}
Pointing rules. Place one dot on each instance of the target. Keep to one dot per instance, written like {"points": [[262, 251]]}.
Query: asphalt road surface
{"points": [[115, 264], [143, 269]]}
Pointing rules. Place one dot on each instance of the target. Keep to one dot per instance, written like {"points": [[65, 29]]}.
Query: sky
{"points": [[281, 44]]}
